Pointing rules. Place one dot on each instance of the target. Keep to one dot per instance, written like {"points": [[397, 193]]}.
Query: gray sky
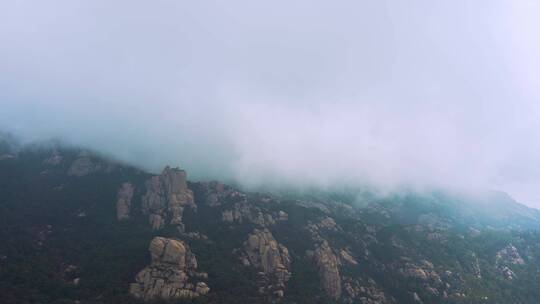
{"points": [[389, 93]]}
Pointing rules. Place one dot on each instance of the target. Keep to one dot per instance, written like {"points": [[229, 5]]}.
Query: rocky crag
{"points": [[269, 257], [123, 202], [171, 274], [167, 195]]}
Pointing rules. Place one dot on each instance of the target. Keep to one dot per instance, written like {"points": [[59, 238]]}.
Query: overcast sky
{"points": [[386, 93]]}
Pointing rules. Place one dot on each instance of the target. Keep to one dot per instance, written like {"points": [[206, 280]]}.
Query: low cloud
{"points": [[389, 94]]}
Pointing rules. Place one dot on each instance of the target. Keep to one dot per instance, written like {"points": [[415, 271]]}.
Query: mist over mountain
{"points": [[80, 228], [305, 92], [283, 152]]}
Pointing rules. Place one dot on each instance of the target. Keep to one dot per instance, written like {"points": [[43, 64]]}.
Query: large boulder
{"points": [[171, 273]]}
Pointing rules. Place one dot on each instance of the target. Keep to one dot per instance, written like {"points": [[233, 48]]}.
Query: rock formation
{"points": [[239, 209], [214, 192], [123, 202], [422, 270], [475, 266], [171, 274], [271, 258], [326, 260], [509, 255], [166, 197], [347, 257], [325, 224], [328, 265]]}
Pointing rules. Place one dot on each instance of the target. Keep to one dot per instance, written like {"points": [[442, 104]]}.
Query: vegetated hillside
{"points": [[76, 228]]}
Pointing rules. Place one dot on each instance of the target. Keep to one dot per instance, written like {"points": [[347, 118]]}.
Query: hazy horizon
{"points": [[383, 93]]}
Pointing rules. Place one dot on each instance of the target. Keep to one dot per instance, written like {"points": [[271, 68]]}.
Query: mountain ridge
{"points": [[247, 245]]}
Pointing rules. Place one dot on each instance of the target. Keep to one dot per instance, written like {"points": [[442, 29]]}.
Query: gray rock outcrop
{"points": [[123, 202], [475, 266], [262, 251], [422, 271], [171, 274], [216, 193], [328, 264], [326, 260], [240, 209], [347, 257], [507, 257], [325, 224], [166, 197]]}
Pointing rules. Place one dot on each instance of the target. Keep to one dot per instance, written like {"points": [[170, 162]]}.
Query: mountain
{"points": [[76, 227]]}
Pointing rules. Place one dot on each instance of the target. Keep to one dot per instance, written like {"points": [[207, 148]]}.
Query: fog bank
{"points": [[419, 94]]}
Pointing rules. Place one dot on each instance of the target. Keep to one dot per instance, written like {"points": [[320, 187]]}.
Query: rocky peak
{"points": [[174, 180], [171, 274], [166, 197]]}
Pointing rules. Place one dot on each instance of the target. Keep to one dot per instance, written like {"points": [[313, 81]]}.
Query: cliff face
{"points": [[171, 274], [166, 197]]}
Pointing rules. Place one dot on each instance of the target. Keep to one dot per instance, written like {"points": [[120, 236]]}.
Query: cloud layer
{"points": [[300, 92]]}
